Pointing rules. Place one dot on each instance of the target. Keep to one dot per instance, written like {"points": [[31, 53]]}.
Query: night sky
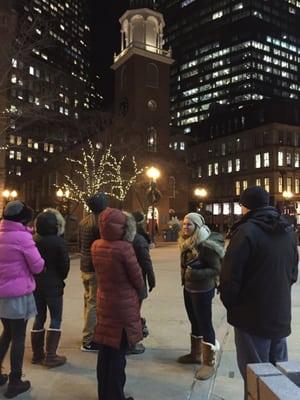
{"points": [[106, 40]]}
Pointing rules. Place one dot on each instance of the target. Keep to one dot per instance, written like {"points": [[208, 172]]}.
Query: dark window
{"points": [[152, 78]]}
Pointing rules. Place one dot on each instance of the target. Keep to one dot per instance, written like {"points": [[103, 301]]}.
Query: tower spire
{"points": [[135, 4]]}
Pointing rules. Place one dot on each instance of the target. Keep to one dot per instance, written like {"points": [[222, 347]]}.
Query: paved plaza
{"points": [[154, 375]]}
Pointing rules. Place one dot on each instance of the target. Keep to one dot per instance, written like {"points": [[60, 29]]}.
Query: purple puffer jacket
{"points": [[19, 259]]}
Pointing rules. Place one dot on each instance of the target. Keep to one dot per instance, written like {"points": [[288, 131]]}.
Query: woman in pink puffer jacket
{"points": [[19, 260]]}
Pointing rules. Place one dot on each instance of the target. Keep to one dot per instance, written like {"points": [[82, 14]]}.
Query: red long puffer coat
{"points": [[119, 280]]}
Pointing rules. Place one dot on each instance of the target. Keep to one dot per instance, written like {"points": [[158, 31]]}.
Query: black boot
{"points": [[16, 386], [3, 379], [37, 344]]}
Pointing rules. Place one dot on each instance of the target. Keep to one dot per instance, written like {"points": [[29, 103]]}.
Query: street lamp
{"points": [[201, 193], [9, 195], [153, 196], [63, 198]]}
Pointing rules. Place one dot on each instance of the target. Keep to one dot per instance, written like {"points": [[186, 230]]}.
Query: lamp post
{"points": [[63, 199], [154, 196], [287, 196], [9, 195], [201, 193]]}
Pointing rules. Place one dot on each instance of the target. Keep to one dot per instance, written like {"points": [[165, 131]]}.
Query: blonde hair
{"points": [[199, 235]]}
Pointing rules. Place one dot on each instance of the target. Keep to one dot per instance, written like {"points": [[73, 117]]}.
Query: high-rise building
{"points": [[232, 53], [235, 88], [49, 84]]}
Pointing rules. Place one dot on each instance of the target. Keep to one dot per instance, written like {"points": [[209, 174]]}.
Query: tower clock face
{"points": [[123, 106], [152, 105]]}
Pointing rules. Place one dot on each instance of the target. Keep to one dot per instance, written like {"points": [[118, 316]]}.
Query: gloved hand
{"points": [[151, 280]]}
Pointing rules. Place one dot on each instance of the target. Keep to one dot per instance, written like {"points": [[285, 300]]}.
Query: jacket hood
{"points": [[268, 219], [116, 225], [215, 242], [46, 224], [61, 223]]}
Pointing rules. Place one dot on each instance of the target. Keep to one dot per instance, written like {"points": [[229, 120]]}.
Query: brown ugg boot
{"points": [[194, 357], [53, 360], [209, 352], [37, 344]]}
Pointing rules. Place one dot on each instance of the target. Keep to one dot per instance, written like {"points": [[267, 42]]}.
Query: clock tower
{"points": [[142, 72]]}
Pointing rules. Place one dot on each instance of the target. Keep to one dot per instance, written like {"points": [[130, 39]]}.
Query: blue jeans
{"points": [[55, 305], [199, 310], [254, 349]]}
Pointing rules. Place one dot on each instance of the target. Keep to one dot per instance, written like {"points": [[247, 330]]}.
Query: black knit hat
{"points": [[255, 197], [18, 211], [138, 216], [97, 202]]}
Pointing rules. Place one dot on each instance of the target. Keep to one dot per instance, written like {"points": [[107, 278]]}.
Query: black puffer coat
{"points": [[141, 248], [260, 265], [53, 249]]}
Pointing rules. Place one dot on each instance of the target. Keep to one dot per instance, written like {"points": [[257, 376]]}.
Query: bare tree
{"points": [[99, 169]]}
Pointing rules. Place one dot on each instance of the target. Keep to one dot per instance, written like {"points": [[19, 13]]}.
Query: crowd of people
{"points": [[253, 275]]}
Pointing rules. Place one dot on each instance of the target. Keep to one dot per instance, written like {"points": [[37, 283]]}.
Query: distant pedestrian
{"points": [[120, 284], [49, 287], [201, 252], [260, 266], [88, 233], [19, 260], [141, 244]]}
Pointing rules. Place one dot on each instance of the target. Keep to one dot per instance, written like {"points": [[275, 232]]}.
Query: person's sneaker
{"points": [[16, 387], [139, 348], [90, 347]]}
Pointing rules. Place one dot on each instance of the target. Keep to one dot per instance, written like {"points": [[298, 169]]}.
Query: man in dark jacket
{"points": [[260, 266], [88, 233]]}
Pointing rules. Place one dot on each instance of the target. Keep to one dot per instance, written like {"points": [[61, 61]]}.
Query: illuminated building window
{"points": [[237, 188], [209, 171], [199, 171], [266, 159], [216, 168], [29, 143], [46, 147], [29, 159], [297, 185], [18, 171], [19, 140], [237, 164], [229, 166], [152, 139], [245, 184], [267, 184], [31, 70], [257, 161], [280, 158], [258, 182], [11, 154], [289, 184], [36, 145], [280, 184], [297, 160], [12, 139], [288, 159], [51, 148]]}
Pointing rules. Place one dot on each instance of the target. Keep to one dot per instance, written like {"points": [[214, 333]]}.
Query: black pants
{"points": [[55, 305], [199, 310], [111, 371], [14, 331]]}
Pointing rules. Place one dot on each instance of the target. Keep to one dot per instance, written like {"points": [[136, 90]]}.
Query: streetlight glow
{"points": [[153, 173], [14, 194], [200, 192], [59, 193], [287, 195], [6, 193]]}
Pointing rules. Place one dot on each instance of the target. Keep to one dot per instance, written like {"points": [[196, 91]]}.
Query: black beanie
{"points": [[138, 216], [254, 197], [17, 211], [97, 202]]}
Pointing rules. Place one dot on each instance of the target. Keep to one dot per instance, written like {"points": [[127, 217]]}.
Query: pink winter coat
{"points": [[19, 259]]}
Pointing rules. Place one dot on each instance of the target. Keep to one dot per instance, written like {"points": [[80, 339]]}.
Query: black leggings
{"points": [[199, 310], [14, 332]]}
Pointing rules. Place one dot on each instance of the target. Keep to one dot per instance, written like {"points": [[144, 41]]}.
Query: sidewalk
{"points": [[154, 375]]}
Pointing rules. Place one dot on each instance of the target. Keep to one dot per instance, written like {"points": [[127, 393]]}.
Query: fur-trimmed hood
{"points": [[215, 242], [61, 223], [115, 224]]}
